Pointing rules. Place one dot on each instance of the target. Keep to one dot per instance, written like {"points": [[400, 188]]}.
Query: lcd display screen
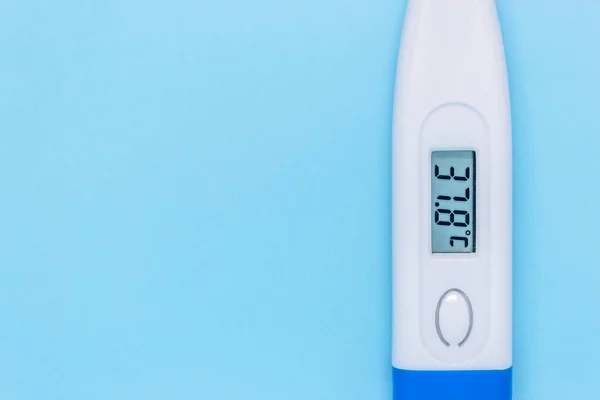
{"points": [[453, 201]]}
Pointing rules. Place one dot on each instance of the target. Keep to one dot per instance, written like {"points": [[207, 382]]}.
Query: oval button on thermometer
{"points": [[454, 318], [452, 278]]}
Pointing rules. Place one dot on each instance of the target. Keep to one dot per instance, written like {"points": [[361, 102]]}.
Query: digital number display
{"points": [[453, 201]]}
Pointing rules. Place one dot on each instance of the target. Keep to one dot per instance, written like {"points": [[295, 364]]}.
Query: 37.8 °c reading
{"points": [[453, 201]]}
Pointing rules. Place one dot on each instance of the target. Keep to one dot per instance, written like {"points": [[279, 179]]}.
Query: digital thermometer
{"points": [[452, 289]]}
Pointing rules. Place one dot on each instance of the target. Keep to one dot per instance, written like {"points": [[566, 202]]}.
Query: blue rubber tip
{"points": [[453, 385]]}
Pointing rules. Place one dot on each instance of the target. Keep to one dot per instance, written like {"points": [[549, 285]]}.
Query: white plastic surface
{"points": [[451, 94]]}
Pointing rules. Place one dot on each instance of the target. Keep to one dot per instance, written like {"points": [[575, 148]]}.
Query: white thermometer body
{"points": [[452, 289]]}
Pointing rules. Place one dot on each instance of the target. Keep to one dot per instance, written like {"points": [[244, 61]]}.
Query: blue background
{"points": [[195, 198]]}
